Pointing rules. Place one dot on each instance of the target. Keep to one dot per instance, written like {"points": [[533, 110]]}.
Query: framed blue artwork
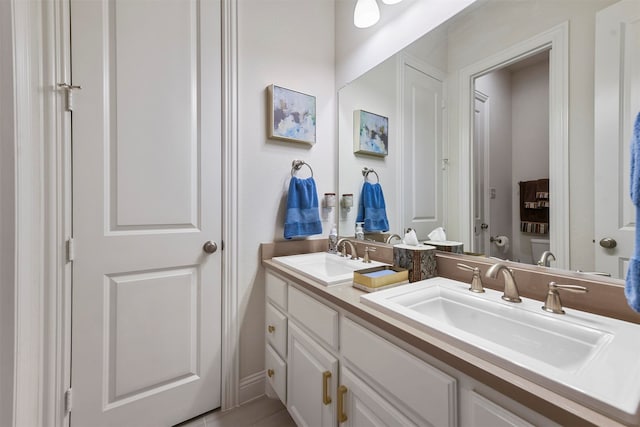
{"points": [[292, 115], [371, 133]]}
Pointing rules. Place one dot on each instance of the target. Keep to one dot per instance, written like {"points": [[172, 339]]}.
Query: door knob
{"points": [[608, 243], [210, 247]]}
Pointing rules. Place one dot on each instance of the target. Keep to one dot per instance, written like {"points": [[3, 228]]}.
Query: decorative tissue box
{"points": [[420, 261], [378, 278]]}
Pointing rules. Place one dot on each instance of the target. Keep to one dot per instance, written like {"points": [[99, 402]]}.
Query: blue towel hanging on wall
{"points": [[632, 284], [372, 209], [302, 218]]}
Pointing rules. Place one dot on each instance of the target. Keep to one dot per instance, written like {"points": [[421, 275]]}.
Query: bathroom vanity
{"points": [[333, 360]]}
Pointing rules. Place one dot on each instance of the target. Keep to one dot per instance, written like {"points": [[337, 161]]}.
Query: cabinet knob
{"points": [[270, 373], [271, 329]]}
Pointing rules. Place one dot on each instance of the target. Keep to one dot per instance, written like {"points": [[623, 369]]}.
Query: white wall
{"points": [[497, 86], [493, 28], [530, 139], [358, 50], [7, 216], [289, 43], [376, 93]]}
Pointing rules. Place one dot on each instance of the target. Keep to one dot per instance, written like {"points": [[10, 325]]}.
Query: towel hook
{"points": [[297, 164], [366, 171]]}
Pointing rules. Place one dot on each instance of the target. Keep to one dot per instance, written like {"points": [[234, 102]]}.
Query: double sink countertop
{"points": [[556, 402]]}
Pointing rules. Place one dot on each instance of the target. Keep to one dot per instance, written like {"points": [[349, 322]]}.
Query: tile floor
{"points": [[262, 412]]}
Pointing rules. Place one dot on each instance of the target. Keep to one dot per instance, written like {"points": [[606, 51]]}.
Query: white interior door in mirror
{"points": [[480, 197], [617, 102], [146, 197], [422, 139]]}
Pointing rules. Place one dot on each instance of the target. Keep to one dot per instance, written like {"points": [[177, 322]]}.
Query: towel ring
{"points": [[297, 164], [366, 171]]}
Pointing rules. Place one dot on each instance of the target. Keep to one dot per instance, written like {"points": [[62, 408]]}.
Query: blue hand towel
{"points": [[302, 217], [632, 284], [372, 209]]}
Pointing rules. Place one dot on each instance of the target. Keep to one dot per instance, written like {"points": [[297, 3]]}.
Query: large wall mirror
{"points": [[508, 126]]}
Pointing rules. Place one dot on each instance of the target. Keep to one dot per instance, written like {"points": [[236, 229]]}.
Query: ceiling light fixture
{"points": [[366, 13], [391, 1]]}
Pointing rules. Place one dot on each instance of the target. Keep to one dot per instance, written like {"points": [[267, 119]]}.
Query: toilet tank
{"points": [[538, 246]]}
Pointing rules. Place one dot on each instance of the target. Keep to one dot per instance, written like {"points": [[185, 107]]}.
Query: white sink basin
{"points": [[592, 357], [550, 340], [328, 269]]}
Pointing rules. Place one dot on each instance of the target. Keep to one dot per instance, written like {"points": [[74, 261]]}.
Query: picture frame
{"points": [[370, 133], [292, 115]]}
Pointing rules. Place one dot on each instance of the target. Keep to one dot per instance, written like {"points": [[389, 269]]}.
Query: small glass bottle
{"points": [[333, 240], [359, 231]]}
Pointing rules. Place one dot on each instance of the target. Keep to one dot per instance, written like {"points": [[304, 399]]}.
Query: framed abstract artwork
{"points": [[292, 115], [371, 133]]}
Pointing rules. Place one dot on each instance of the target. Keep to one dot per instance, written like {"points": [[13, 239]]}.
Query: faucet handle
{"points": [[365, 258], [553, 304], [476, 280]]}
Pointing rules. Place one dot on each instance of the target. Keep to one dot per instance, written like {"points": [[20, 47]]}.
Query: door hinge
{"points": [[68, 94], [68, 400], [71, 250]]}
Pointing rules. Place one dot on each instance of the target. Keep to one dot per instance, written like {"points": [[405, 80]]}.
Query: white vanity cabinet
{"points": [[334, 371]]}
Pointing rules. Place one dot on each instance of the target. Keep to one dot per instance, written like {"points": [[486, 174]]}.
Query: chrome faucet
{"points": [[344, 242], [510, 289], [393, 236], [546, 258]]}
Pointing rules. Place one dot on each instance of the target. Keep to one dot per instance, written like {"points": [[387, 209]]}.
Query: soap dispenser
{"points": [[333, 240], [359, 231]]}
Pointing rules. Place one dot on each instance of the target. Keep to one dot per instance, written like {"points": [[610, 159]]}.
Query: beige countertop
{"points": [[551, 403]]}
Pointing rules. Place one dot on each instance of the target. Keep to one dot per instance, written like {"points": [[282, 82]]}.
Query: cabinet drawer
{"points": [[276, 290], [430, 393], [276, 330], [276, 373], [317, 317]]}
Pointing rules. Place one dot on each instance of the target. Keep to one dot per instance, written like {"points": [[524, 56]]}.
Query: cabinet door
{"points": [[362, 406], [311, 381], [487, 413]]}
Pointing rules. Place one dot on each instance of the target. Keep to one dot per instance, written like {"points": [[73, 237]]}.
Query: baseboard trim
{"points": [[251, 387]]}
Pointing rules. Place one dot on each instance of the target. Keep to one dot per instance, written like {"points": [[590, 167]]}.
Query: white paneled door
{"points": [[422, 111], [146, 316], [617, 102]]}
